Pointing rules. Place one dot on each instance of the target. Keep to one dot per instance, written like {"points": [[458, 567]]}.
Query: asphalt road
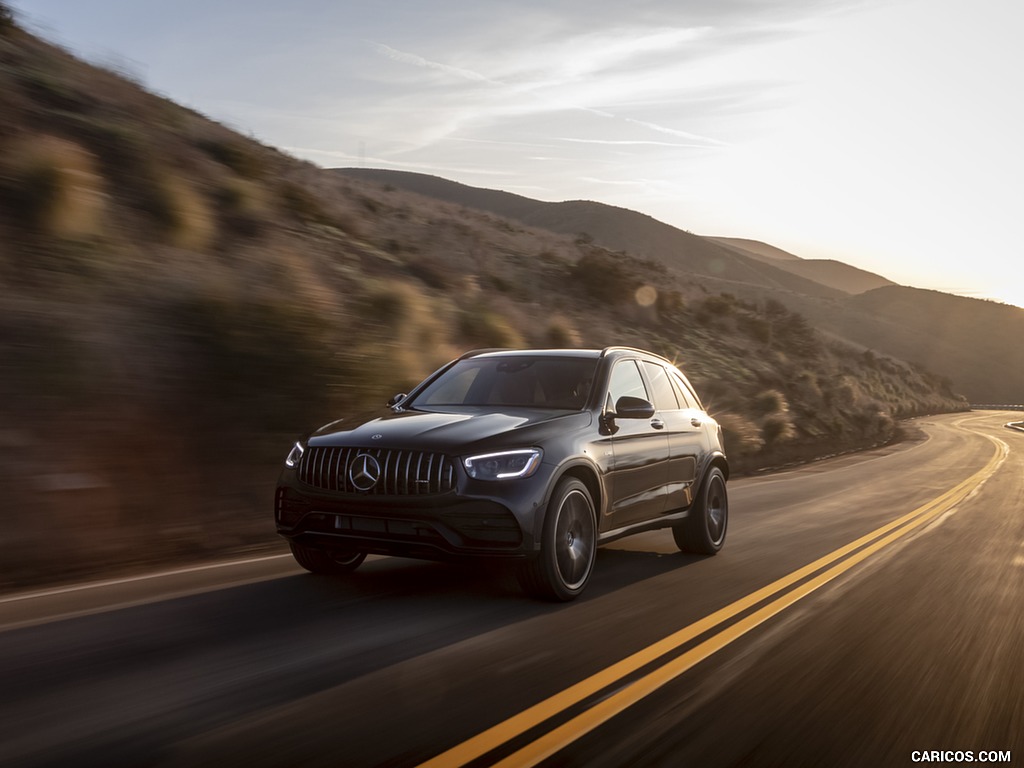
{"points": [[864, 609]]}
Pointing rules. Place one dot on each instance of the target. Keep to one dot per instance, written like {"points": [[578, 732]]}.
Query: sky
{"points": [[882, 133]]}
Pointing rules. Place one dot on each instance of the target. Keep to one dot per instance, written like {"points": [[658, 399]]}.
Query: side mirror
{"points": [[627, 407], [397, 400]]}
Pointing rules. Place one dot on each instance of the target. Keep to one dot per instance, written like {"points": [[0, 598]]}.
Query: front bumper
{"points": [[477, 519]]}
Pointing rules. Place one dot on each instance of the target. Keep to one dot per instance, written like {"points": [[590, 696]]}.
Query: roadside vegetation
{"points": [[178, 302]]}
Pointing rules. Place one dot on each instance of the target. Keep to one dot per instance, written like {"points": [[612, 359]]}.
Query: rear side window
{"points": [[626, 381], [664, 395], [683, 391]]}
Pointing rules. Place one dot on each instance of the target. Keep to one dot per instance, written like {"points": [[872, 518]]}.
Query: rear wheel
{"points": [[326, 562], [568, 545], [703, 530]]}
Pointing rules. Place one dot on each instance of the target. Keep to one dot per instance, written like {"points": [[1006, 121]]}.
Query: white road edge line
{"points": [[130, 579]]}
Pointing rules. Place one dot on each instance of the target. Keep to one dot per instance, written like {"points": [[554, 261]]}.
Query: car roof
{"points": [[613, 351], [592, 353]]}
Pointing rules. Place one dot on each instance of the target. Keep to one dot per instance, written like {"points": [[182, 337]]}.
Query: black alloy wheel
{"points": [[703, 530], [568, 547]]}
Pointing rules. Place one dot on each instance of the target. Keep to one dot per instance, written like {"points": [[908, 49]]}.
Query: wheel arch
{"points": [[717, 460], [587, 474]]}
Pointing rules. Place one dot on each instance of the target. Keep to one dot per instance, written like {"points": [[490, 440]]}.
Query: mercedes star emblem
{"points": [[364, 472]]}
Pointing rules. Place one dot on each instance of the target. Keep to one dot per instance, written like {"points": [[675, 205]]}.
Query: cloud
{"points": [[563, 77], [418, 61], [613, 182], [531, 144], [632, 142], [674, 132]]}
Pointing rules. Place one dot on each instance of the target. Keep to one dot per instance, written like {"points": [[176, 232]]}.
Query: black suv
{"points": [[529, 455]]}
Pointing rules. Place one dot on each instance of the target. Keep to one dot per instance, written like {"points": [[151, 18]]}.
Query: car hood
{"points": [[449, 431]]}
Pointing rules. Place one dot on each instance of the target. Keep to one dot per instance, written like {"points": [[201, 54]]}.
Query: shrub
{"points": [[302, 204], [757, 328], [807, 388], [722, 305], [742, 436], [122, 148], [770, 401], [844, 393], [604, 278], [31, 192], [235, 155], [485, 328], [777, 428], [54, 188], [791, 331], [433, 273], [180, 212], [242, 207], [561, 335], [389, 306]]}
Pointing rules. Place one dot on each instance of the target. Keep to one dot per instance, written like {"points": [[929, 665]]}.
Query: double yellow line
{"points": [[841, 561]]}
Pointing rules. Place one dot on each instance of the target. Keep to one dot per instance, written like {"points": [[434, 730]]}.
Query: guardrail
{"points": [[991, 407]]}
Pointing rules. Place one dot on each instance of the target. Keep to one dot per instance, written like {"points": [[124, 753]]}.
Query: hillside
{"points": [[179, 302], [756, 248], [979, 340], [970, 342], [828, 272], [616, 229]]}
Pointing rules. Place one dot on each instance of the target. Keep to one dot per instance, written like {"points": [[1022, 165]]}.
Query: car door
{"points": [[639, 469], [687, 441]]}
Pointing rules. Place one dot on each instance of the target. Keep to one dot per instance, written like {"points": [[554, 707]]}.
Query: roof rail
{"points": [[475, 352], [616, 348]]}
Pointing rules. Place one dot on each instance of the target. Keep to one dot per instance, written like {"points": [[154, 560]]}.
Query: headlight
{"points": [[503, 466], [294, 455]]}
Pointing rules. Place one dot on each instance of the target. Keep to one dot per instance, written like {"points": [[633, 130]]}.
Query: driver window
{"points": [[626, 381]]}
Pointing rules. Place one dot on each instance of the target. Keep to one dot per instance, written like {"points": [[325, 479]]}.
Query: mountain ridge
{"points": [[978, 353], [612, 227]]}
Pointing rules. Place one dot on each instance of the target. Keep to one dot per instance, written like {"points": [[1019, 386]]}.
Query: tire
{"points": [[702, 532], [324, 562], [568, 545]]}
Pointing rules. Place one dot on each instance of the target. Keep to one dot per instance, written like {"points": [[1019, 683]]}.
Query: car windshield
{"points": [[527, 381]]}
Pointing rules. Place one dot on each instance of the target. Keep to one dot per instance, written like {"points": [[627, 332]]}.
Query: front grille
{"points": [[399, 473]]}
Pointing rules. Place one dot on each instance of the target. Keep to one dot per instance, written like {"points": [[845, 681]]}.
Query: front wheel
{"points": [[703, 530], [326, 562], [568, 545]]}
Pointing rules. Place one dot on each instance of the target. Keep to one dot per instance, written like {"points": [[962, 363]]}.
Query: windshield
{"points": [[525, 381]]}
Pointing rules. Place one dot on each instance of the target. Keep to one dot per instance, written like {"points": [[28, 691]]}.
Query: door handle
{"points": [[657, 423], [695, 421]]}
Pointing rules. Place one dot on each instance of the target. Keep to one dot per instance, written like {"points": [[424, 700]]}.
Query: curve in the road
{"points": [[732, 622]]}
